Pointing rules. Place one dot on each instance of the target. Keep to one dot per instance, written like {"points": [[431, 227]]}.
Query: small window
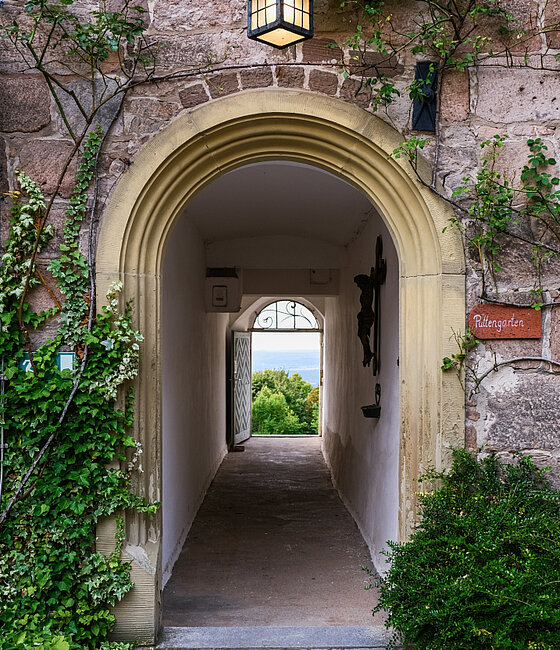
{"points": [[285, 315]]}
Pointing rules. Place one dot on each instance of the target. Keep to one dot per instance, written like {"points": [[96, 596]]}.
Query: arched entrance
{"points": [[349, 143]]}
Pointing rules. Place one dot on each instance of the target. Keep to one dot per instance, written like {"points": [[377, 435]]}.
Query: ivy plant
{"points": [[66, 464]]}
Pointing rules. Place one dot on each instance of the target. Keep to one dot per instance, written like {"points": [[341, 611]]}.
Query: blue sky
{"points": [[285, 340]]}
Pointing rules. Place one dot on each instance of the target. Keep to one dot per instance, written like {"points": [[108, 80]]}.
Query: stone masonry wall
{"points": [[516, 408]]}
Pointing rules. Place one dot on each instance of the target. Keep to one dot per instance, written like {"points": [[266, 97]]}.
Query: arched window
{"points": [[286, 315]]}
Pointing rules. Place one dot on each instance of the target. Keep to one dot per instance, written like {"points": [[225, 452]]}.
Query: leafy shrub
{"points": [[272, 415], [284, 404], [482, 569]]}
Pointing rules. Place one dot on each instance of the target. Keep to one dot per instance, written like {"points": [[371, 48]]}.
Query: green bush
{"points": [[482, 569], [284, 404], [272, 415]]}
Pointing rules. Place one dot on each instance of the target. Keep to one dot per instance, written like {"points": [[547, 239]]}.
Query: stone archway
{"points": [[350, 143]]}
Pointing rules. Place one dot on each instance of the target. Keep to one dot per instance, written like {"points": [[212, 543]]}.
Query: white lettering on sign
{"points": [[496, 323]]}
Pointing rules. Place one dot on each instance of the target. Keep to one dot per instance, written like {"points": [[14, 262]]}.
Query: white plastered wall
{"points": [[363, 453], [193, 371]]}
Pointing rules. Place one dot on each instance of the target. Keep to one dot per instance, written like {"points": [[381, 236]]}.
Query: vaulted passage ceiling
{"points": [[282, 199]]}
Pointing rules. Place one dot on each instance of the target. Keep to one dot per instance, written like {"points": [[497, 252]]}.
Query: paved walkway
{"points": [[272, 545]]}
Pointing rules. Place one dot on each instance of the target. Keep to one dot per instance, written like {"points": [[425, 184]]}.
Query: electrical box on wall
{"points": [[223, 290]]}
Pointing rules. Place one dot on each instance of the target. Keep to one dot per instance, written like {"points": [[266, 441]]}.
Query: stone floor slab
{"points": [[274, 638]]}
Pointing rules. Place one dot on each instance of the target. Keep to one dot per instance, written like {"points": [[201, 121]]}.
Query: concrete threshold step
{"points": [[276, 638]]}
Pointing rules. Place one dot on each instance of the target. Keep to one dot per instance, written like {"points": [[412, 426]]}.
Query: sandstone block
{"points": [[455, 96], [528, 96], [355, 91], [41, 297], [552, 20], [330, 16], [511, 348], [521, 412], [198, 15], [470, 438], [290, 76], [193, 96], [44, 160], [323, 82], [174, 53], [555, 333], [256, 78], [153, 108], [4, 185], [24, 103], [374, 64], [223, 84], [504, 35], [321, 50]]}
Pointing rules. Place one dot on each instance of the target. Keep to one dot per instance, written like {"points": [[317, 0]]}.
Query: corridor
{"points": [[272, 545]]}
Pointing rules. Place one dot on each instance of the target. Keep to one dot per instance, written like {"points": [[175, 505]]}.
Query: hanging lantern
{"points": [[280, 23]]}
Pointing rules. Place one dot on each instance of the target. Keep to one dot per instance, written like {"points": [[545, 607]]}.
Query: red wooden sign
{"points": [[503, 322]]}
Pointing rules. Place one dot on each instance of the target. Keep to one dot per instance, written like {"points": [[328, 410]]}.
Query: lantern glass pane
{"points": [[289, 13], [280, 37], [296, 12], [270, 14]]}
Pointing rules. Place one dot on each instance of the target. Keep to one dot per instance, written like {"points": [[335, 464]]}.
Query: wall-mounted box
{"points": [[223, 290]]}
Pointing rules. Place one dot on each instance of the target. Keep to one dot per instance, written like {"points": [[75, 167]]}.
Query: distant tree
{"points": [[274, 388], [272, 415]]}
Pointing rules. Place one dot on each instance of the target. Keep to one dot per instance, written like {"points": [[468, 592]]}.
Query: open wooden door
{"points": [[241, 386]]}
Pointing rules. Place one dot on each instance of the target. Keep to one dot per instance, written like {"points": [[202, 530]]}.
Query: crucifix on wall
{"points": [[368, 316]]}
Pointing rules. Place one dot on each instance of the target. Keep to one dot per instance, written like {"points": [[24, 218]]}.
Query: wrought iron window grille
{"points": [[285, 316]]}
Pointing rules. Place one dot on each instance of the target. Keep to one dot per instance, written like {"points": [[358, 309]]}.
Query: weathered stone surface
{"points": [[118, 5], [321, 50], [290, 76], [508, 35], [153, 107], [330, 16], [355, 91], [44, 160], [527, 96], [256, 78], [24, 103], [455, 96], [517, 271], [223, 84], [198, 15], [555, 333], [323, 82], [374, 64], [146, 115], [175, 53], [521, 412], [82, 90], [552, 20], [470, 438], [509, 349], [193, 95], [4, 186], [44, 296]]}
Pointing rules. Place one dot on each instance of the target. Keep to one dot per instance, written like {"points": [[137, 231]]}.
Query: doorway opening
{"points": [[295, 266], [180, 391], [287, 370]]}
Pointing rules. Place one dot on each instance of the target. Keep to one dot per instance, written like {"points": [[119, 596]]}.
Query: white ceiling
{"points": [[279, 198]]}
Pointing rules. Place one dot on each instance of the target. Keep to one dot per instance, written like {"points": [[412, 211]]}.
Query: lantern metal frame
{"points": [[280, 23]]}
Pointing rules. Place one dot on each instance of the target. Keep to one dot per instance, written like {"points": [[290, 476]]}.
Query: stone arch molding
{"points": [[343, 139]]}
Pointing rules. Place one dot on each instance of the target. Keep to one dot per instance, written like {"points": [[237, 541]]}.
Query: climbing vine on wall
{"points": [[65, 465], [67, 454], [491, 209]]}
